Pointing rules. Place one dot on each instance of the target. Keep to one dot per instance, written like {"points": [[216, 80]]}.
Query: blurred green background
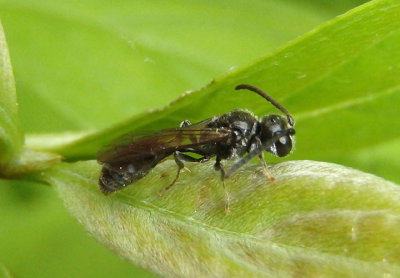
{"points": [[85, 65]]}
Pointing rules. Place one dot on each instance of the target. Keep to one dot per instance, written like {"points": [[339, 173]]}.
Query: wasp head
{"points": [[272, 125]]}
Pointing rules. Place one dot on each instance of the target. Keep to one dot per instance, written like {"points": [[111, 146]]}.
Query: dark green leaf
{"points": [[341, 83], [89, 64]]}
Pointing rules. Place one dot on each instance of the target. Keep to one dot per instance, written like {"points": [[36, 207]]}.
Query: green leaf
{"points": [[316, 220], [91, 64], [11, 138], [4, 272], [15, 160], [341, 82], [29, 161]]}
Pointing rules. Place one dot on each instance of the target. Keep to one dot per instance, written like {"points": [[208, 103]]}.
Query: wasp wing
{"points": [[132, 156], [159, 144]]}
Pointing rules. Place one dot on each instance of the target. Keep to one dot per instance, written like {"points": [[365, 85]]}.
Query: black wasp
{"points": [[228, 136]]}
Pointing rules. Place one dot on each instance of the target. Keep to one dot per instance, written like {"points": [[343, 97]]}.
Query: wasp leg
{"points": [[256, 144], [265, 168], [180, 167], [218, 167], [178, 156]]}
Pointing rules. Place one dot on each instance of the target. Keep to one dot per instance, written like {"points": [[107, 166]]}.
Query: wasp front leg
{"points": [[255, 145], [266, 172]]}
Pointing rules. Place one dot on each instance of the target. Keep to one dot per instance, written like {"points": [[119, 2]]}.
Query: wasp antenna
{"points": [[268, 98]]}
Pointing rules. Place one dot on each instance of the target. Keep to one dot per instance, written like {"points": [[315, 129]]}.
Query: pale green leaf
{"points": [[316, 220]]}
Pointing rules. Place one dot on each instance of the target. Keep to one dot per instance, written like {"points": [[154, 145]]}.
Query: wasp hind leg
{"points": [[179, 158], [218, 167]]}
